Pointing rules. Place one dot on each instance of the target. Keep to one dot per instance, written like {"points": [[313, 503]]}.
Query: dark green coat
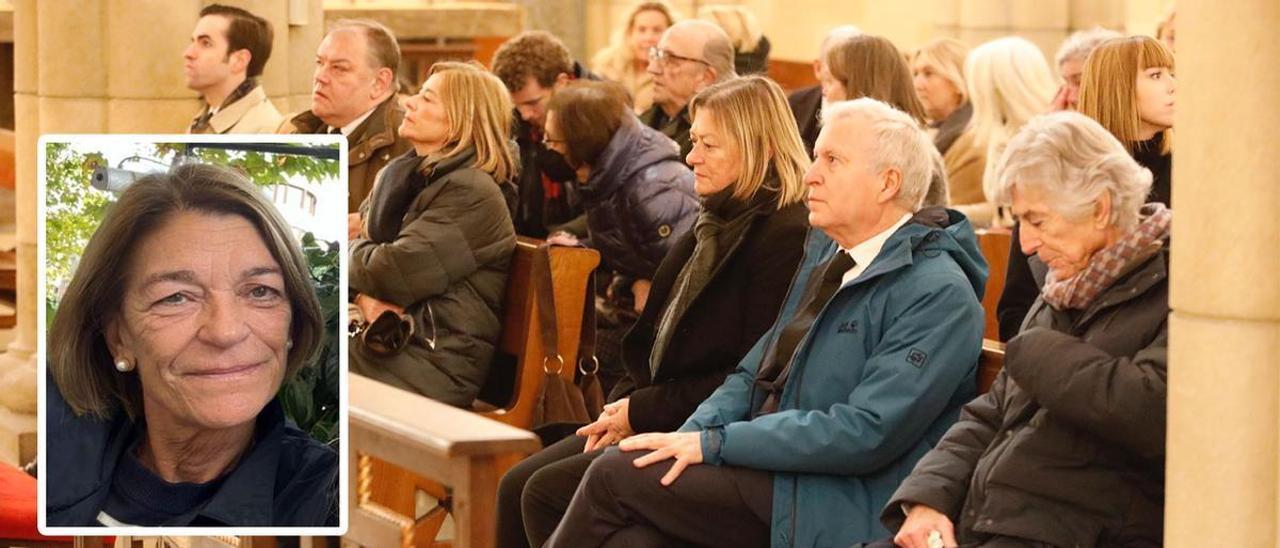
{"points": [[448, 268]]}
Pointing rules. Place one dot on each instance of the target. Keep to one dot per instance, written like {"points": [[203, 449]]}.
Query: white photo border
{"points": [[344, 430]]}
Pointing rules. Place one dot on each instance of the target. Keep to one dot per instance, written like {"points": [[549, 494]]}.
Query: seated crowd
{"points": [[792, 304]]}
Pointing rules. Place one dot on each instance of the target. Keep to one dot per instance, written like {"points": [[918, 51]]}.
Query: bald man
{"points": [[806, 103], [690, 56]]}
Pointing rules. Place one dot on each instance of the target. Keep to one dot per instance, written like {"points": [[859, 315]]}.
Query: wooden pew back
{"points": [[521, 340], [994, 243]]}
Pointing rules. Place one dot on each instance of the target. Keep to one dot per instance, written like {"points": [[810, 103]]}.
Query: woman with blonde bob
{"points": [[430, 263], [1128, 87], [1009, 83], [190, 307], [937, 72], [714, 295], [1081, 398], [626, 59]]}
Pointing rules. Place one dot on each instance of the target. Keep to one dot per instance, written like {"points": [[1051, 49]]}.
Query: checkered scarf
{"points": [[1110, 263]]}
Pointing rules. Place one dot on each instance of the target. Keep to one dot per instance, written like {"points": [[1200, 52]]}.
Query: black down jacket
{"points": [[639, 200], [1068, 447]]}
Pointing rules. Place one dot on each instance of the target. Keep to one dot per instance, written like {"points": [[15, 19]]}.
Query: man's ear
{"points": [[890, 184], [562, 80], [711, 75], [383, 80], [239, 60]]}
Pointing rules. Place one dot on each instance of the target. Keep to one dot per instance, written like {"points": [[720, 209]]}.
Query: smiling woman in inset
{"points": [[190, 307]]}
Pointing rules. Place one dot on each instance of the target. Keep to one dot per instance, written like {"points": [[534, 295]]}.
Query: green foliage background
{"points": [[74, 209]]}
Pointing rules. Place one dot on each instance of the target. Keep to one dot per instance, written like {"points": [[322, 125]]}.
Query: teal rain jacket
{"points": [[875, 384]]}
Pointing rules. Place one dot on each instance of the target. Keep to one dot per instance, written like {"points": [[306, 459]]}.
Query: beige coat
{"points": [[253, 113], [965, 163]]}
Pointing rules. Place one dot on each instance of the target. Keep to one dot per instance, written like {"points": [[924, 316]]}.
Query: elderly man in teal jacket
{"points": [[871, 357]]}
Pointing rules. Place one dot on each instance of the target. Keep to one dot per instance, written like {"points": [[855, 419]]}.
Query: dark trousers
{"points": [[618, 504], [533, 495]]}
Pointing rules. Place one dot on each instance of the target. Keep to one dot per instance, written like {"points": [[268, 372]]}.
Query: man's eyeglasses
{"points": [[664, 57]]}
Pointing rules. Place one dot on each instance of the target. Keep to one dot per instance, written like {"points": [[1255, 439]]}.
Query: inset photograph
{"points": [[192, 377]]}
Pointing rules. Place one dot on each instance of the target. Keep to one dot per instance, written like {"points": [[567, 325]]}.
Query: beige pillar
{"points": [[1223, 467], [1044, 22], [101, 66]]}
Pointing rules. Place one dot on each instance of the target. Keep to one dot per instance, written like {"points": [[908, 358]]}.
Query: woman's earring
{"points": [[288, 345], [123, 365]]}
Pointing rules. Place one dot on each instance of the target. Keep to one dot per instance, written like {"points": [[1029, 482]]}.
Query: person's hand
{"points": [[640, 293], [684, 447], [921, 522], [353, 225], [612, 427], [562, 238], [371, 308], [1060, 100]]}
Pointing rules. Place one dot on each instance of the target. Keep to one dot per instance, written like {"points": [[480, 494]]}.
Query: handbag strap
{"points": [[547, 317]]}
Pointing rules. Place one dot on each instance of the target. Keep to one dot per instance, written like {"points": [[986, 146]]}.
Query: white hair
{"points": [[1081, 43], [1009, 83], [835, 36], [1073, 161], [899, 142]]}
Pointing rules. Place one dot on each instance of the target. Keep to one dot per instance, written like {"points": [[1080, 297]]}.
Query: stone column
{"points": [[1223, 467], [100, 66]]}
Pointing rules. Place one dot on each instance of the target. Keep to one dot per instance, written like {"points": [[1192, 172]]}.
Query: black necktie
{"points": [[776, 365]]}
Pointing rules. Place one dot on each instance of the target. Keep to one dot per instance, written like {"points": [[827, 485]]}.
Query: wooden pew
{"points": [[990, 362], [447, 445], [994, 243], [516, 378], [521, 342]]}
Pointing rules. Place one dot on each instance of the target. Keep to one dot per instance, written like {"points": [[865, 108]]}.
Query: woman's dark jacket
{"points": [[1068, 447], [639, 199], [447, 266], [722, 322], [1025, 275], [287, 479]]}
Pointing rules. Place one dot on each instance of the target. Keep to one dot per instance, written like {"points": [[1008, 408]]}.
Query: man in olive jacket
{"points": [[354, 94], [871, 357]]}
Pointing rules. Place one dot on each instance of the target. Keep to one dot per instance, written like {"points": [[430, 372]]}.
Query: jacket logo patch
{"points": [[917, 357], [848, 327]]}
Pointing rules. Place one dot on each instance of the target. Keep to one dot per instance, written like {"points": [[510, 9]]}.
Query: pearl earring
{"points": [[123, 365], [288, 345]]}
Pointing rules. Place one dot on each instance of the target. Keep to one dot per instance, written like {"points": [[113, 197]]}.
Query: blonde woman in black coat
{"points": [[718, 290]]}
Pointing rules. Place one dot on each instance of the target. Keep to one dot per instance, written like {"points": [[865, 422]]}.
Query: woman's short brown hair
{"points": [[870, 66], [79, 359], [589, 113], [1109, 84]]}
